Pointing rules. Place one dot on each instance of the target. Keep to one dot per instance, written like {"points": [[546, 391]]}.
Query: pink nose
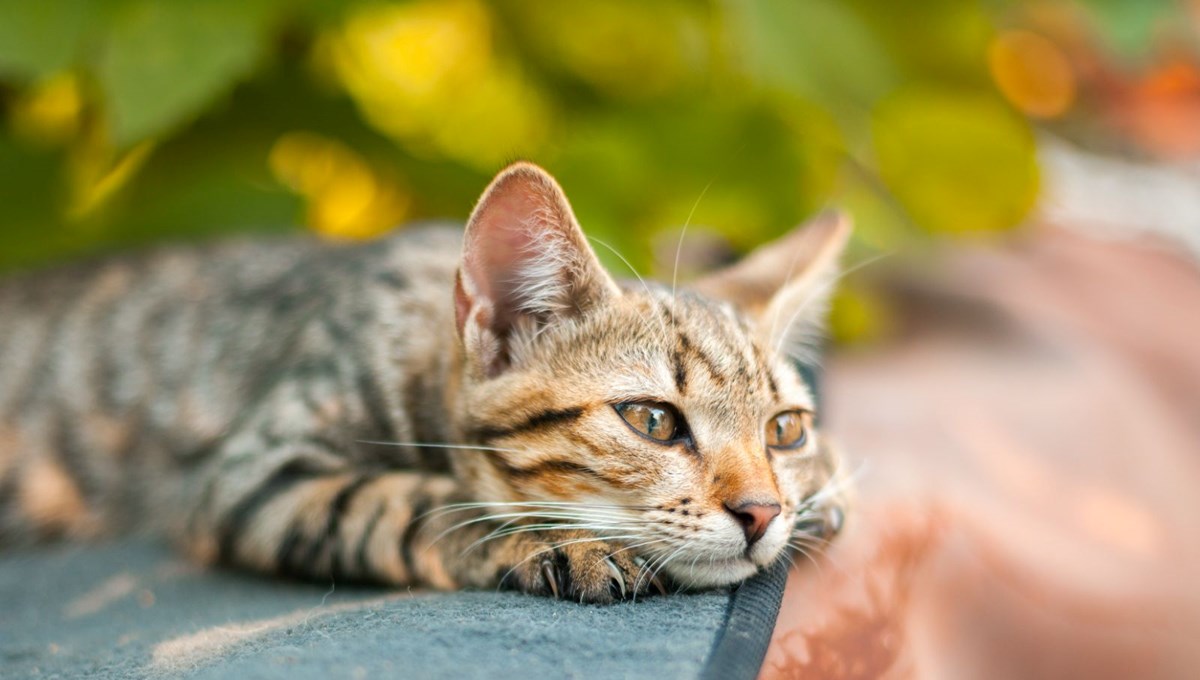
{"points": [[754, 518]]}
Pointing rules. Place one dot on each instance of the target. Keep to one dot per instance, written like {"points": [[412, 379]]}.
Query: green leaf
{"points": [[165, 62], [958, 162], [1129, 26], [41, 37], [818, 49]]}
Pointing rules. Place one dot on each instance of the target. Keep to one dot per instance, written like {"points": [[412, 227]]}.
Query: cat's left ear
{"points": [[787, 284], [525, 264]]}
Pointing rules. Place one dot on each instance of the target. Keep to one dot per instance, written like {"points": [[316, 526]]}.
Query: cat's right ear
{"points": [[525, 264], [787, 284]]}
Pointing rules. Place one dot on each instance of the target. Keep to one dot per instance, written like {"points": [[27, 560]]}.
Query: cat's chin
{"points": [[713, 574]]}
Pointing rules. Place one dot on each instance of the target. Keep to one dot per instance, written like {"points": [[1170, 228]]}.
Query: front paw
{"points": [[576, 565], [824, 522]]}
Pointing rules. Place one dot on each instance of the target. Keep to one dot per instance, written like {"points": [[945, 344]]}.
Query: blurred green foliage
{"points": [[130, 121]]}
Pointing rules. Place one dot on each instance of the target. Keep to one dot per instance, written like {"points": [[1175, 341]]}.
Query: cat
{"points": [[439, 408]]}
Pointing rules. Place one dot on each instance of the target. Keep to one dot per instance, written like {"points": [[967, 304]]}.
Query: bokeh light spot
{"points": [[1032, 73], [345, 197], [50, 111], [425, 74]]}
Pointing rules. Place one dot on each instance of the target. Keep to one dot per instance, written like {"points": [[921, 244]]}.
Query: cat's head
{"points": [[673, 421]]}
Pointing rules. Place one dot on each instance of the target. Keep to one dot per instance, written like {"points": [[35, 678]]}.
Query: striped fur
{"points": [[426, 410]]}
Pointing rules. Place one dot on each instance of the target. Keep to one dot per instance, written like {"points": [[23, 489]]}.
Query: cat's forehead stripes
{"points": [[710, 337]]}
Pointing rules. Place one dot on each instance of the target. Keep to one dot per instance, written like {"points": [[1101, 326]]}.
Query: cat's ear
{"points": [[787, 284], [525, 264]]}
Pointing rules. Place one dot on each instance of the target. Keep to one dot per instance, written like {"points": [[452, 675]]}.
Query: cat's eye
{"points": [[659, 422], [787, 431]]}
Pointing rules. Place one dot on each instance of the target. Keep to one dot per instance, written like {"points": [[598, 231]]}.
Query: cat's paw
{"points": [[823, 514], [825, 523], [575, 565]]}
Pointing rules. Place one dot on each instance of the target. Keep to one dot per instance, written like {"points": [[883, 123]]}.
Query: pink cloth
{"points": [[1028, 466]]}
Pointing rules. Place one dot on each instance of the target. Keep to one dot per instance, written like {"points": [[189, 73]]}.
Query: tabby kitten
{"points": [[435, 409]]}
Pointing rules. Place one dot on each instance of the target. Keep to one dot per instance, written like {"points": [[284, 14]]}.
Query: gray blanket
{"points": [[133, 609]]}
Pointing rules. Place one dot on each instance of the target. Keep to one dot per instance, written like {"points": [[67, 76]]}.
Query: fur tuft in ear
{"points": [[525, 264], [787, 284]]}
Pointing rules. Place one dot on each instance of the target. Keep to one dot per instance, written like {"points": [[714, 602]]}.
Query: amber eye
{"points": [[656, 421], [787, 431]]}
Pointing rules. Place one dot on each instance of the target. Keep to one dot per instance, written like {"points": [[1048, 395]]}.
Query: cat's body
{"points": [[284, 406], [126, 376]]}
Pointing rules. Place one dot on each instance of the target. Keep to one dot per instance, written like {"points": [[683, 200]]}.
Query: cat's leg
{"points": [[561, 563], [408, 528], [330, 524], [823, 513], [284, 492], [299, 507]]}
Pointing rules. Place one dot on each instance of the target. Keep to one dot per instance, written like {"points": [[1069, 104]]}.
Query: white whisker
{"points": [[645, 286], [421, 445], [820, 290], [682, 233]]}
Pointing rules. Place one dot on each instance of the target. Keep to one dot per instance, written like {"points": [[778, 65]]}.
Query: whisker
{"points": [[682, 233], [580, 520], [788, 277], [805, 553], [560, 527], [638, 545], [645, 286], [535, 528], [599, 510], [818, 545], [821, 290], [789, 556], [662, 565], [423, 445], [547, 504], [837, 482], [644, 573]]}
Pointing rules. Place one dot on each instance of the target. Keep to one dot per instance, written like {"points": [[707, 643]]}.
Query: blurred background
{"points": [[128, 121], [1017, 386]]}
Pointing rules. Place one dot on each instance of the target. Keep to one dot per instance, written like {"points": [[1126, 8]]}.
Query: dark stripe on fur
{"points": [[544, 419], [687, 346], [680, 373], [9, 522], [375, 404], [286, 478], [72, 456], [765, 368], [337, 508], [421, 504], [550, 467], [360, 552]]}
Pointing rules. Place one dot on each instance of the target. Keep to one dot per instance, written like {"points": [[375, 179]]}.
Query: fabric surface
{"points": [[1027, 454], [134, 609]]}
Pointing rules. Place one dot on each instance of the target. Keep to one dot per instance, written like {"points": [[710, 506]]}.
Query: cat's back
{"points": [[155, 354], [118, 316]]}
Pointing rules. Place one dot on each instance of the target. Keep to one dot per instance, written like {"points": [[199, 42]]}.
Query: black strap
{"points": [[742, 644]]}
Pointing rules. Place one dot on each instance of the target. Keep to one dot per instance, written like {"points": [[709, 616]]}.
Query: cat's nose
{"points": [[754, 517]]}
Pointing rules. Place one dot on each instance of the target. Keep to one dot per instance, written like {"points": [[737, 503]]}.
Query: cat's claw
{"points": [[574, 565], [618, 577], [551, 578]]}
